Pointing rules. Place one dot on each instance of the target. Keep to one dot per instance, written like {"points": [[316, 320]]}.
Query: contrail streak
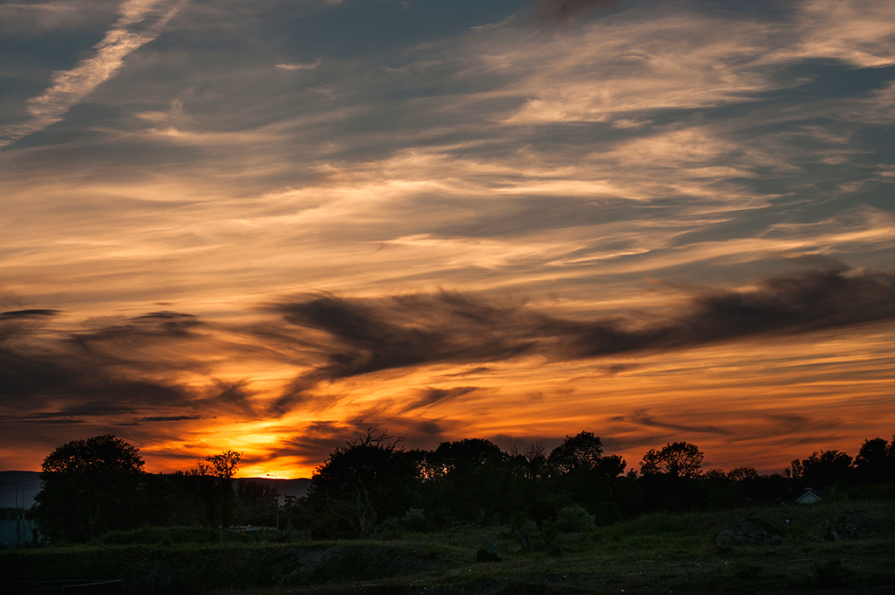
{"points": [[140, 22]]}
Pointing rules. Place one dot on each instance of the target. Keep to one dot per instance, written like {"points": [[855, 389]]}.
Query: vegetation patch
{"points": [[681, 557]]}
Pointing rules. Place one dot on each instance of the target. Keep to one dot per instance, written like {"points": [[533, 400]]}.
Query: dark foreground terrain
{"points": [[829, 548]]}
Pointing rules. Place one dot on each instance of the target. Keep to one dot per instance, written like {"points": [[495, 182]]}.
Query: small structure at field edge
{"points": [[809, 497]]}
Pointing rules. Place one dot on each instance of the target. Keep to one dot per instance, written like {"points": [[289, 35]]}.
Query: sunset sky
{"points": [[266, 225]]}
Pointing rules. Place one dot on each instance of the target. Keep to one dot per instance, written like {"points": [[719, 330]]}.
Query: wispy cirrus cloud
{"points": [[299, 65], [858, 32], [140, 22]]}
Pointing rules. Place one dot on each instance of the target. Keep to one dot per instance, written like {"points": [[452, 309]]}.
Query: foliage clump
{"points": [[574, 519], [373, 486], [361, 484], [90, 487]]}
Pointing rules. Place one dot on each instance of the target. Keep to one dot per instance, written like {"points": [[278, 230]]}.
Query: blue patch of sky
{"points": [[829, 79], [29, 64], [760, 9], [357, 27]]}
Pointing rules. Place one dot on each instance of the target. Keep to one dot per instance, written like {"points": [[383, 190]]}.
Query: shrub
{"points": [[414, 521], [607, 513], [165, 536], [574, 519]]}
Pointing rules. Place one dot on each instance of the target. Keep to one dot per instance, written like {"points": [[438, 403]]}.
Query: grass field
{"points": [[657, 553]]}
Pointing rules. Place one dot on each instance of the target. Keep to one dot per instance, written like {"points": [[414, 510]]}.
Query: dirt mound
{"points": [[747, 532]]}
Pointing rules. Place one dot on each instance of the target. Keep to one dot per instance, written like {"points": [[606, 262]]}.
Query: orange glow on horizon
{"points": [[741, 404]]}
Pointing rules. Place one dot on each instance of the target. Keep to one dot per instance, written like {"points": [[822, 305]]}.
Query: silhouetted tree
{"points": [[535, 457], [469, 479], [360, 484], [825, 467], [721, 489], [463, 456], [716, 475], [875, 462], [766, 487], [741, 474], [581, 471], [223, 467], [90, 487], [678, 459], [583, 451], [795, 470], [670, 478], [531, 485]]}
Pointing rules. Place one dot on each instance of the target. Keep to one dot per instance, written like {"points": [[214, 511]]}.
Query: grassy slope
{"points": [[651, 554]]}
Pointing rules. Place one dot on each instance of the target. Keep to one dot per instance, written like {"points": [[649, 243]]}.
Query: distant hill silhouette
{"points": [[30, 480], [286, 487]]}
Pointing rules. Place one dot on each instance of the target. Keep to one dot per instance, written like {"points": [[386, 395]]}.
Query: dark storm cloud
{"points": [[470, 372], [793, 421], [403, 332], [794, 424], [77, 375], [773, 430], [171, 418], [64, 373], [17, 323], [431, 396], [618, 368], [815, 301], [642, 418], [64, 377], [28, 314], [38, 419], [165, 315], [170, 321], [158, 325], [372, 335], [234, 398], [412, 330], [73, 413], [96, 408]]}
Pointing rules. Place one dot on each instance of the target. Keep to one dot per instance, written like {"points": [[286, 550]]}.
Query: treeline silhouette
{"points": [[374, 484]]}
